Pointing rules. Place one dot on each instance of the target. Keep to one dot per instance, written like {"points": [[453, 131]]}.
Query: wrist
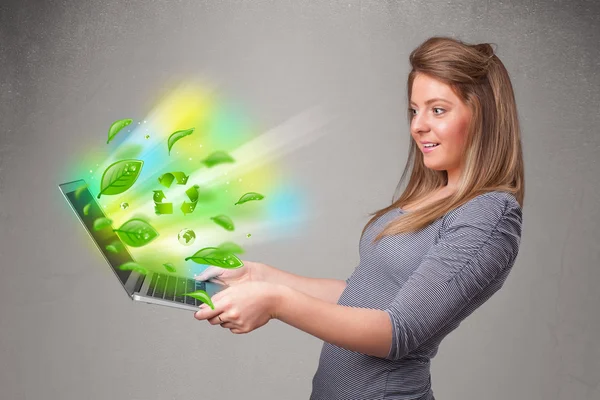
{"points": [[258, 272], [280, 297]]}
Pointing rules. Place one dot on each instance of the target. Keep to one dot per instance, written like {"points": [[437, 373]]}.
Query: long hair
{"points": [[493, 157]]}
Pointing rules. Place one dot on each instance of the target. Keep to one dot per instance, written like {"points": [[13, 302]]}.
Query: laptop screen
{"points": [[115, 252]]}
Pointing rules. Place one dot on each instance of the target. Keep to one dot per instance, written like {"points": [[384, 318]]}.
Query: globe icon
{"points": [[186, 236]]}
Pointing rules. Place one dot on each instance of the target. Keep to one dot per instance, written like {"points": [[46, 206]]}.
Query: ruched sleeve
{"points": [[478, 242]]}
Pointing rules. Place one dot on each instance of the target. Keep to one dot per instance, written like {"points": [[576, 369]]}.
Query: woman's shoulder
{"points": [[495, 198], [492, 206]]}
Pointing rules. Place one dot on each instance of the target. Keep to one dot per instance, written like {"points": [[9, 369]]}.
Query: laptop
{"points": [[152, 288]]}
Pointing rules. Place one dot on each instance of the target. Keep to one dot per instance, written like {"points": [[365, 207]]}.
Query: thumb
{"points": [[209, 273]]}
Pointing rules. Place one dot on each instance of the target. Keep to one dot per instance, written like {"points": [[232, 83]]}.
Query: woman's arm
{"points": [[328, 290], [363, 330], [245, 307], [471, 259]]}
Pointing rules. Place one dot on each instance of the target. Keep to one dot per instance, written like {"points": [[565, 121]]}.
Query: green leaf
{"points": [[79, 191], [115, 247], [120, 176], [207, 195], [133, 266], [218, 157], [250, 196], [231, 247], [136, 232], [217, 257], [175, 136], [224, 221], [116, 127], [170, 267], [202, 296], [86, 208], [101, 223]]}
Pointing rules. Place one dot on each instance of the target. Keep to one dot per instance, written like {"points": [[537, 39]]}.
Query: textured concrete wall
{"points": [[66, 67]]}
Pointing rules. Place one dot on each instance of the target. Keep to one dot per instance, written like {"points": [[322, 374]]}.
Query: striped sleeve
{"points": [[479, 241]]}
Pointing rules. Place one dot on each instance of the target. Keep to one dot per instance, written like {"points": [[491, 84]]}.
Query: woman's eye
{"points": [[412, 110]]}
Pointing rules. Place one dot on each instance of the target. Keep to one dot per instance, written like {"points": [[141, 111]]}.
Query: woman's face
{"points": [[439, 116]]}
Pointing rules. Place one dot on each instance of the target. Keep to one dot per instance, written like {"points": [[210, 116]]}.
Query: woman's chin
{"points": [[434, 166]]}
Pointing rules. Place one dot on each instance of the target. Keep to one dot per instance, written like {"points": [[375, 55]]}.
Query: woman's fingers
{"points": [[228, 325], [209, 273], [218, 281], [223, 322]]}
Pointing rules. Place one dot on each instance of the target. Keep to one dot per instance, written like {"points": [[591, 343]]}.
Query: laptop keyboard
{"points": [[173, 288]]}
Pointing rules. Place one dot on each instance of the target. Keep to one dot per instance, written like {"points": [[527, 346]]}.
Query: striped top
{"points": [[428, 282]]}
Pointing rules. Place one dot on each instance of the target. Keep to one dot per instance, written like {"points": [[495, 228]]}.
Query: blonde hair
{"points": [[493, 158]]}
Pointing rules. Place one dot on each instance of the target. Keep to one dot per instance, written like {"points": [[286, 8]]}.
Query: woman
{"points": [[429, 259]]}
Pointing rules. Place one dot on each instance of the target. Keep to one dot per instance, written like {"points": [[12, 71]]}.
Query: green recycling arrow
{"points": [[167, 208], [160, 207], [167, 179], [192, 194]]}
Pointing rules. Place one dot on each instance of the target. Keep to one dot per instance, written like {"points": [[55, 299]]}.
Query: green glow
{"points": [[207, 159]]}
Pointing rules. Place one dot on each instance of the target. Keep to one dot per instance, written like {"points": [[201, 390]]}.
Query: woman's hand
{"points": [[249, 272], [243, 307]]}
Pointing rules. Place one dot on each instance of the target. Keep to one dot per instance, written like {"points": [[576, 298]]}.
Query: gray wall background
{"points": [[66, 66]]}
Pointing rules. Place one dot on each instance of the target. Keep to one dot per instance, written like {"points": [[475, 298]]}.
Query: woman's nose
{"points": [[419, 124]]}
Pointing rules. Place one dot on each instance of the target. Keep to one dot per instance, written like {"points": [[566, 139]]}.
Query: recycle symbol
{"points": [[167, 180]]}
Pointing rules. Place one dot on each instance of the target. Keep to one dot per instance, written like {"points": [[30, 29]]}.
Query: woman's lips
{"points": [[430, 149]]}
